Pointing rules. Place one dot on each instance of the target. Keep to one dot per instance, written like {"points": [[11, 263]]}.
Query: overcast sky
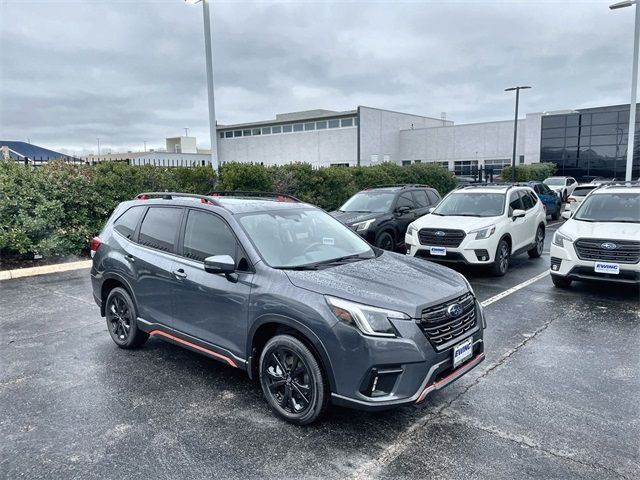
{"points": [[134, 70]]}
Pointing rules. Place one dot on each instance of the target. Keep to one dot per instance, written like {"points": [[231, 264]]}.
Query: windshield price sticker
{"points": [[328, 240]]}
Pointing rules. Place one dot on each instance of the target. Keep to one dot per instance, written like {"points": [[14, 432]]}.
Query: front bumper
{"points": [[388, 373], [470, 251], [565, 263]]}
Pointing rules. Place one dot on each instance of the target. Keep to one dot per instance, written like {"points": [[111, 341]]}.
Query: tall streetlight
{"points": [[515, 130], [208, 41], [634, 85]]}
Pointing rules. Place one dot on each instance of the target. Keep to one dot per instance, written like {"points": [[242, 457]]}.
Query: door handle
{"points": [[180, 273], [130, 258]]}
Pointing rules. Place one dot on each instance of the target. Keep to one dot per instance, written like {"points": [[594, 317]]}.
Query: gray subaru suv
{"points": [[284, 291]]}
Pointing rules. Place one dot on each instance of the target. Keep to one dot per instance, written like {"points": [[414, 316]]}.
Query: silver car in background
{"points": [[578, 195]]}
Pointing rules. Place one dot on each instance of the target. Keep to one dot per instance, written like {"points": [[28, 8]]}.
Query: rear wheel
{"points": [[501, 262], [560, 282], [121, 315], [293, 381], [385, 241], [536, 251], [556, 215]]}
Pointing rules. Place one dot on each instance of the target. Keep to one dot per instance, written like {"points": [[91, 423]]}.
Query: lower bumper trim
{"points": [[443, 382]]}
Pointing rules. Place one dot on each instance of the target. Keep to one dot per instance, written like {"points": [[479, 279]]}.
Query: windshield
{"points": [[610, 207], [370, 201], [302, 238], [472, 205], [554, 182]]}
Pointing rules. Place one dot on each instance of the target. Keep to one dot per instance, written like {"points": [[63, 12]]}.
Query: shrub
{"points": [[533, 172]]}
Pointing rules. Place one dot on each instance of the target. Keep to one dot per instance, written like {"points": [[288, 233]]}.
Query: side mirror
{"points": [[567, 214], [518, 214], [220, 264], [432, 209], [403, 210]]}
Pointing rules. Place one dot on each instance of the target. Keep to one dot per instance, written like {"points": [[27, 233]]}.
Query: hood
{"points": [[392, 281], [605, 230], [454, 222], [349, 218], [556, 188]]}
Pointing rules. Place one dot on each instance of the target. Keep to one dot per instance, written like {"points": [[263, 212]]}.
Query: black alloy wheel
{"points": [[536, 251], [385, 241], [121, 315], [292, 380]]}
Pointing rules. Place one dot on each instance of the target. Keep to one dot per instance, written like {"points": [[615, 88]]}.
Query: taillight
{"points": [[571, 199], [142, 197], [95, 245]]}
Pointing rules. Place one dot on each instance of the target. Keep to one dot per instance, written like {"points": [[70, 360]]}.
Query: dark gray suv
{"points": [[289, 294]]}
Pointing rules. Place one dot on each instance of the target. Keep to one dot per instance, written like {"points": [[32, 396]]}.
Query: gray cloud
{"points": [[130, 71]]}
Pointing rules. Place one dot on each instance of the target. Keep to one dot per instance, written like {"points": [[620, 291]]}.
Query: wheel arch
{"points": [[507, 237], [109, 282], [271, 325]]}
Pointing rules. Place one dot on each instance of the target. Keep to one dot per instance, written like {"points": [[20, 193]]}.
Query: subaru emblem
{"points": [[608, 246], [454, 311], [439, 233]]}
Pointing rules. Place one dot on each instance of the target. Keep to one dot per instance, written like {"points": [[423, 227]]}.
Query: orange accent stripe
{"points": [[193, 345], [435, 385]]}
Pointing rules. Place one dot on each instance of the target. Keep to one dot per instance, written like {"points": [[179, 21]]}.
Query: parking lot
{"points": [[557, 397]]}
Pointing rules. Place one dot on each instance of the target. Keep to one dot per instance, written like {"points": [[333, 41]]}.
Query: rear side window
{"points": [[206, 235], [159, 228], [421, 199], [433, 197], [405, 200], [127, 222], [515, 202], [528, 200]]}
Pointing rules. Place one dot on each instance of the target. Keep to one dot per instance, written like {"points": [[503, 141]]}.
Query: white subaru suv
{"points": [[481, 225], [601, 239]]}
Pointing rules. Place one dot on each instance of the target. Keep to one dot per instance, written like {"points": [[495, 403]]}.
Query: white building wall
{"points": [[379, 133], [318, 147]]}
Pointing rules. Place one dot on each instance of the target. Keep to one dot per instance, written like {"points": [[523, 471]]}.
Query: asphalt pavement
{"points": [[557, 397]]}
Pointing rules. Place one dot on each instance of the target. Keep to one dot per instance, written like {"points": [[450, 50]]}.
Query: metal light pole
{"points": [[634, 85], [515, 130], [208, 41], [98, 146]]}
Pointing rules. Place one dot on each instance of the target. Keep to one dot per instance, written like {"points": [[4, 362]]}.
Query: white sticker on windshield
{"points": [[328, 240]]}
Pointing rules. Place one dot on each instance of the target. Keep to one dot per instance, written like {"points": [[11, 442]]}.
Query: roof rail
{"points": [[490, 184], [620, 183], [170, 195], [280, 197], [401, 185]]}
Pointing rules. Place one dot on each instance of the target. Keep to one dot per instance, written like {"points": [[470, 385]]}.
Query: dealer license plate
{"points": [[462, 352], [438, 251], [603, 267]]}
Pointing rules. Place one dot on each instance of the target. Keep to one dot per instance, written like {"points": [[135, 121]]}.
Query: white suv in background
{"points": [[481, 225], [563, 186], [601, 239]]}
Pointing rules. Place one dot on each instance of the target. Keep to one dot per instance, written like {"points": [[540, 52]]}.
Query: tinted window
{"points": [[159, 228], [468, 204], [433, 197], [287, 129], [420, 196], [527, 200], [369, 201], [334, 123], [545, 190], [405, 200], [206, 235], [515, 202], [127, 222], [583, 191]]}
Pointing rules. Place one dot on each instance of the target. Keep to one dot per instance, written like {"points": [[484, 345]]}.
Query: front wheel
{"points": [[293, 381], [501, 263], [560, 282], [536, 251], [385, 241]]}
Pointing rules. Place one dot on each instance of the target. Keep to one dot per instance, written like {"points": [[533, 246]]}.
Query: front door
{"points": [[211, 307]]}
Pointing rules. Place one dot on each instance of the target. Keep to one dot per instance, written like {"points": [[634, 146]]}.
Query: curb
{"points": [[33, 271]]}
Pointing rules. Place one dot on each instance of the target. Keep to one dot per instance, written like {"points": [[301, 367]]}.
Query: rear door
{"points": [[405, 199], [154, 258], [212, 307], [422, 202], [518, 228], [530, 204]]}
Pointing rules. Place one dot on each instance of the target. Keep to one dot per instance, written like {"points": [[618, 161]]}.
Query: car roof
{"points": [[396, 188], [484, 188], [621, 187]]}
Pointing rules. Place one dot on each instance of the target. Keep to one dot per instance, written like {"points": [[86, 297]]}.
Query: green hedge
{"points": [[526, 173], [56, 209]]}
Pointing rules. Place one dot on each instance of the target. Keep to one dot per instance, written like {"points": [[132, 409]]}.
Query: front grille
{"points": [[440, 329], [555, 263], [626, 251], [440, 237]]}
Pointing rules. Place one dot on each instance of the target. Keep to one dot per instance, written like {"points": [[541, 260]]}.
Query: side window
{"points": [[159, 228], [206, 235], [528, 200], [420, 197], [405, 200], [537, 188], [546, 190], [433, 197], [515, 202], [127, 222]]}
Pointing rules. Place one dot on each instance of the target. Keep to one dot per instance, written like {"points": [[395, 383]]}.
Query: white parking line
{"points": [[511, 290]]}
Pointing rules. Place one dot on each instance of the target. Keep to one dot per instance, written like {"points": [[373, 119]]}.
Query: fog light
{"points": [[554, 267]]}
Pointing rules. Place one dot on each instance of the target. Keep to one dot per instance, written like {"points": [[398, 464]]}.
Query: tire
{"points": [[385, 241], [560, 282], [556, 215], [121, 315], [501, 262], [536, 252], [296, 390], [564, 196]]}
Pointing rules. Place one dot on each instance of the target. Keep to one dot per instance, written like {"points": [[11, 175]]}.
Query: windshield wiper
{"points": [[357, 211], [439, 214], [311, 266], [346, 258]]}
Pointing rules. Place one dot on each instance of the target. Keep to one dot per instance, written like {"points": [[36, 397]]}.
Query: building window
{"points": [[309, 126], [334, 123], [228, 134], [386, 158], [406, 162], [246, 133], [521, 159], [277, 129], [287, 128], [496, 165], [298, 127], [321, 125], [416, 161], [339, 164], [221, 134], [465, 167], [237, 133], [255, 131], [374, 158], [266, 130], [346, 122]]}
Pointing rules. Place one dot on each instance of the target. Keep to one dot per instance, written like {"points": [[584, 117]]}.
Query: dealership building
{"points": [[583, 143]]}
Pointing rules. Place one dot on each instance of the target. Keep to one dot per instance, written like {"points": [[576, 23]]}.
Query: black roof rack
{"points": [[171, 195], [490, 184], [280, 197], [620, 183], [399, 185]]}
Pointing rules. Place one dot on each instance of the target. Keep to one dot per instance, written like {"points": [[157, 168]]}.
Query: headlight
{"points": [[362, 226], [560, 238], [411, 230], [369, 320], [485, 232]]}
